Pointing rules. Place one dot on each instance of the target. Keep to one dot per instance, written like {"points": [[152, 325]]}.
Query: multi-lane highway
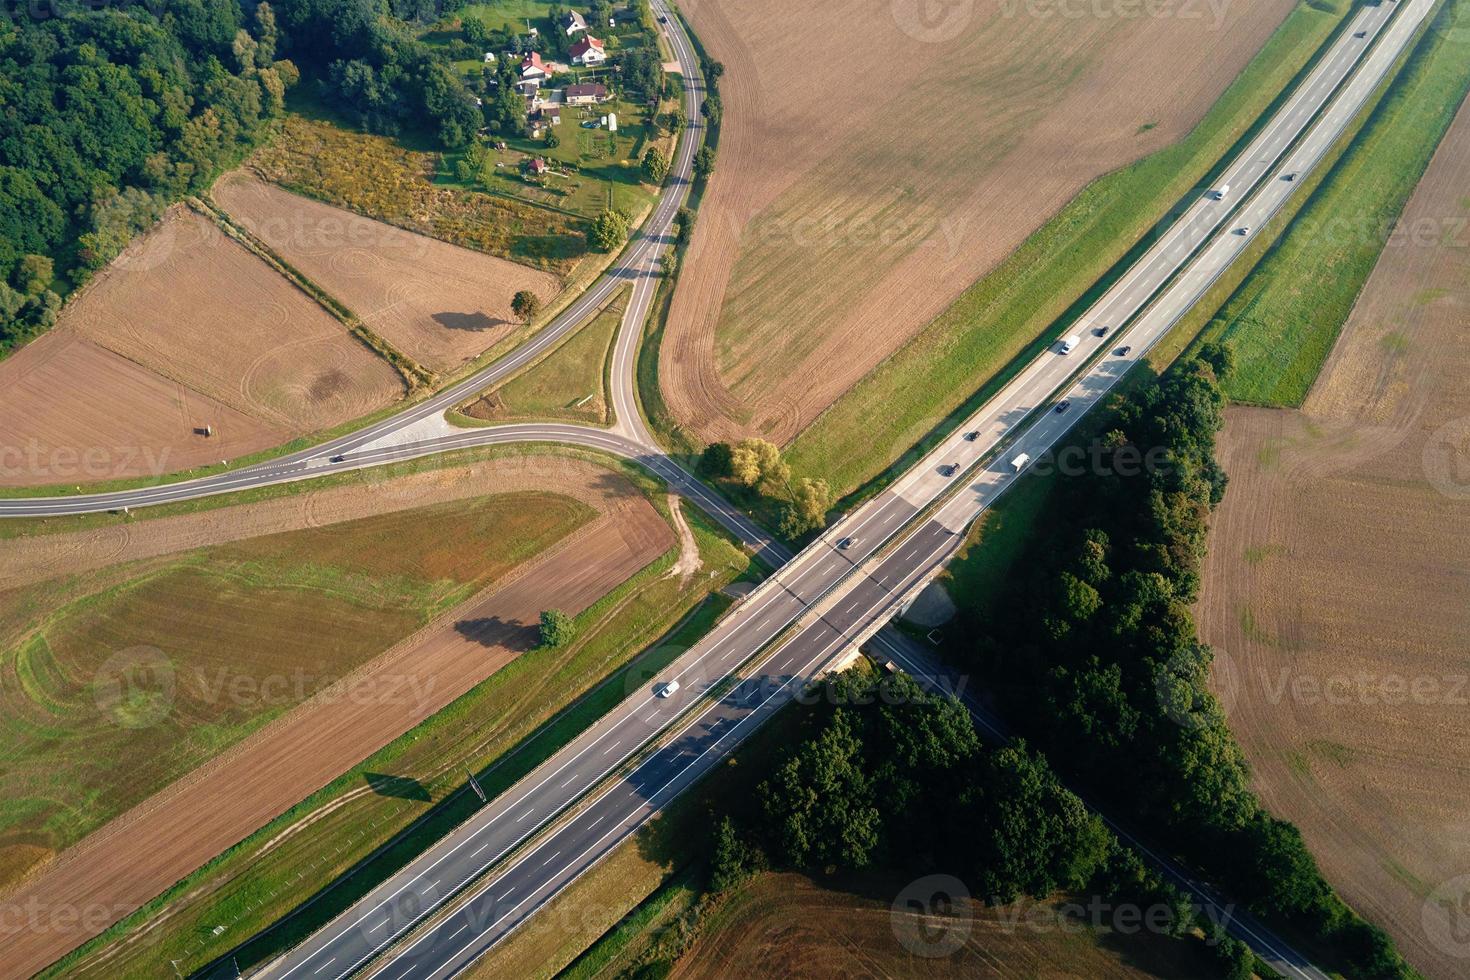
{"points": [[837, 590]]}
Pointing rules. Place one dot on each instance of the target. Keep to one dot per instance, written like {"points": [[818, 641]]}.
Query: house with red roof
{"points": [[588, 51]]}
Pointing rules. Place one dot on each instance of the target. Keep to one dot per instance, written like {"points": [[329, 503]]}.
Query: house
{"points": [[586, 93], [533, 69], [588, 51], [572, 23], [536, 167]]}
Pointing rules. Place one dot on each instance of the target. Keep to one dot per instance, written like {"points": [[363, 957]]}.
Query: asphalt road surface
{"points": [[829, 596]]}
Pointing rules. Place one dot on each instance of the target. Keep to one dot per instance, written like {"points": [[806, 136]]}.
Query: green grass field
{"points": [[1285, 317], [501, 729], [276, 617], [968, 351], [569, 383]]}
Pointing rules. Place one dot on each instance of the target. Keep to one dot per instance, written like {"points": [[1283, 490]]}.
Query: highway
{"points": [[830, 597]]}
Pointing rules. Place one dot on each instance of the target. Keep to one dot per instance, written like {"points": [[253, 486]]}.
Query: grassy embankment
{"points": [[1012, 313], [306, 606], [569, 383], [501, 730], [1285, 318]]}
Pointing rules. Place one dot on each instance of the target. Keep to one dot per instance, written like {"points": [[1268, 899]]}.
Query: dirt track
{"points": [[438, 303], [857, 196], [147, 849], [1336, 589]]}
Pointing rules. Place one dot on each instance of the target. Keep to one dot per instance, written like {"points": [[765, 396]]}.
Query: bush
{"points": [[557, 628]]}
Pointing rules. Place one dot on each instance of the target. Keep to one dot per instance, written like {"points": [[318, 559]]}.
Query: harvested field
{"points": [[1336, 593], [787, 925], [260, 776], [905, 170], [208, 314], [440, 304], [78, 413]]}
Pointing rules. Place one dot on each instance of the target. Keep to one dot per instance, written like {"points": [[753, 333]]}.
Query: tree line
{"points": [[1100, 663], [111, 114]]}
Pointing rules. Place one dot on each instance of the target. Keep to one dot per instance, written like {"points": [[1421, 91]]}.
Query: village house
{"points": [[586, 93], [572, 22], [588, 51]]}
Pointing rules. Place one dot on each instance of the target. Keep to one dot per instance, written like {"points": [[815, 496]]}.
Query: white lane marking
{"points": [[325, 965]]}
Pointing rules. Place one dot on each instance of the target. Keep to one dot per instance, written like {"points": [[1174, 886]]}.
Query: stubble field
{"points": [[438, 303], [186, 329], [856, 197], [1336, 594]]}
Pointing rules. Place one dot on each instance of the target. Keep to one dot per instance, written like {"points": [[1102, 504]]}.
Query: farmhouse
{"points": [[536, 167], [572, 22], [586, 93], [588, 51]]}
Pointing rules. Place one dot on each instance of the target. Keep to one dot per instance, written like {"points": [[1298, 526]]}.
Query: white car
{"points": [[666, 690], [1068, 344]]}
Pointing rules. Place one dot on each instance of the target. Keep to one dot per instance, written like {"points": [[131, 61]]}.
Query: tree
{"points": [[686, 226], [676, 120], [758, 463], [557, 628], [476, 33], [704, 162], [821, 803], [526, 305], [732, 859], [655, 166], [33, 276], [552, 140], [810, 501], [609, 231], [715, 461]]}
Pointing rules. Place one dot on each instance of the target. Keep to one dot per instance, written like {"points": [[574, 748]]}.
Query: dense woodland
{"points": [[1098, 663]]}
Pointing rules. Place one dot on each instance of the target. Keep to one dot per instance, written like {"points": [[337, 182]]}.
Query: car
{"points": [[1360, 34], [1062, 407], [1123, 351], [1101, 331], [1288, 177], [948, 469], [971, 436], [1067, 344], [1219, 193], [337, 458], [846, 543], [666, 689], [662, 19], [1243, 230]]}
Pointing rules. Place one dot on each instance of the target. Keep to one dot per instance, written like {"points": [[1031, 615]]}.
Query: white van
{"points": [[665, 690], [1069, 343], [1218, 194], [1019, 463]]}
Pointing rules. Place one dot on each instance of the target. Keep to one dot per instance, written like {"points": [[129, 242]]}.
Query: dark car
{"points": [[1361, 34], [971, 436], [948, 469], [1102, 331], [1063, 406], [846, 543], [1123, 351], [337, 459]]}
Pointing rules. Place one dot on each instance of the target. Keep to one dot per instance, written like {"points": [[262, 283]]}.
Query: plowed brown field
{"points": [[1337, 588], [438, 303], [142, 852], [876, 159]]}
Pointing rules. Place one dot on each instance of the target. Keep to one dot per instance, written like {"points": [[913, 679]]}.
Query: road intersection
{"points": [[818, 603]]}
